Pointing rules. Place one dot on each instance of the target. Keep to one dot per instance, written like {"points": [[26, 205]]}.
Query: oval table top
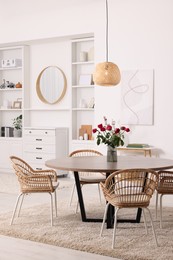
{"points": [[100, 164]]}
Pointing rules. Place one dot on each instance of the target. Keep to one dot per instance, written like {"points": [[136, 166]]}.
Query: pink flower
{"points": [[127, 129], [117, 130], [109, 127], [100, 126], [123, 128], [103, 129], [95, 130]]}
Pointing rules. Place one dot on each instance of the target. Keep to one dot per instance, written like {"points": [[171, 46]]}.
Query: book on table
{"points": [[137, 145]]}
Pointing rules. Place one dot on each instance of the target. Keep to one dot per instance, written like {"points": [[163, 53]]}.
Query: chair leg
{"points": [[145, 221], [161, 210], [115, 225], [72, 193], [15, 208], [104, 218], [154, 233], [99, 193], [51, 209], [156, 203], [55, 199], [23, 195]]}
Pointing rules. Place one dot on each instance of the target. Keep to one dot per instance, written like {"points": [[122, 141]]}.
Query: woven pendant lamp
{"points": [[106, 73]]}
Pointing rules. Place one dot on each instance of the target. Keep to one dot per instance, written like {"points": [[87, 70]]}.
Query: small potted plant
{"points": [[17, 123]]}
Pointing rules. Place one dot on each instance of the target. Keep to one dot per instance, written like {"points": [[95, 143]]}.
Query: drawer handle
{"points": [[46, 132], [37, 139], [38, 168], [38, 148], [39, 158], [30, 132]]}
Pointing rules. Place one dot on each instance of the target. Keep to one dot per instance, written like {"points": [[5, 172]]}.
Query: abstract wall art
{"points": [[137, 97]]}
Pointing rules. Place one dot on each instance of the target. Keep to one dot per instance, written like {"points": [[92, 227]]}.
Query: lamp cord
{"points": [[106, 30]]}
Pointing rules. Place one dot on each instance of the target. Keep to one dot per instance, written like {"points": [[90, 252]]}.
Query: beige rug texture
{"points": [[69, 231]]}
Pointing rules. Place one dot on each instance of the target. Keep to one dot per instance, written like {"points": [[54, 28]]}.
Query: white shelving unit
{"points": [[82, 92], [9, 144]]}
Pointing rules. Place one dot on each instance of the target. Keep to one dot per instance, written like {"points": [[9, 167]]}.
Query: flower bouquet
{"points": [[111, 136]]}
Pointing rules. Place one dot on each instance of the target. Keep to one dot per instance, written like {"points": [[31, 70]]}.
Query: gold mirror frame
{"points": [[38, 89]]}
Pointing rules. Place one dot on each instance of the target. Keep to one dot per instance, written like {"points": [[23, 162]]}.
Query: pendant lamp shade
{"points": [[106, 73]]}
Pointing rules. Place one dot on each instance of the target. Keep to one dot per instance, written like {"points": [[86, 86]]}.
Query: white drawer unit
{"points": [[41, 144]]}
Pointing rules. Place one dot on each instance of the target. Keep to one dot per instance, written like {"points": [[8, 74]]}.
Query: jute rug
{"points": [[70, 232]]}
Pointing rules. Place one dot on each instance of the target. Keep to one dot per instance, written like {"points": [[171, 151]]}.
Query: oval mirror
{"points": [[51, 85]]}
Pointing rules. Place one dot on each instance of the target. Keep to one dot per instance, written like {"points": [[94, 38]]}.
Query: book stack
{"points": [[137, 145], [7, 131]]}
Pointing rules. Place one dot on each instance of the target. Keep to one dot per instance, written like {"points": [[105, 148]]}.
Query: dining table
{"points": [[100, 164]]}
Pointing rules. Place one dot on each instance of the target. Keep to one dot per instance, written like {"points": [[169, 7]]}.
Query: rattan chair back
{"points": [[130, 188]]}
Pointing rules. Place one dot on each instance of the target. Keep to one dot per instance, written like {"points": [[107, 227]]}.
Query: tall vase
{"points": [[111, 154]]}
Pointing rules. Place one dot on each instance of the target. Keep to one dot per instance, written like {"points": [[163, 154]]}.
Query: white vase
{"points": [[17, 132]]}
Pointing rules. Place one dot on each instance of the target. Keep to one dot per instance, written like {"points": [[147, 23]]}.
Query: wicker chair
{"points": [[87, 177], [164, 187], [129, 189], [31, 181]]}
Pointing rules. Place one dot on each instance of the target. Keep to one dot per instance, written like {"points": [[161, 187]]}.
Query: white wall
{"points": [[141, 37]]}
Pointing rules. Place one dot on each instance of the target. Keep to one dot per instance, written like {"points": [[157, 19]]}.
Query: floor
{"points": [[23, 249]]}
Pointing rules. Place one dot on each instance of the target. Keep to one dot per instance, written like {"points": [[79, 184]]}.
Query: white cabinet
{"points": [[41, 144], [8, 148], [14, 66], [82, 104]]}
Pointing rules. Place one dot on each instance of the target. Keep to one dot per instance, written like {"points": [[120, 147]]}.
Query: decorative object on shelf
{"points": [[111, 136], [3, 85], [85, 80], [6, 104], [91, 103], [51, 85], [91, 54], [83, 56], [85, 136], [17, 123], [7, 84], [11, 63], [106, 73], [10, 84], [86, 132], [18, 85], [17, 104], [7, 131]]}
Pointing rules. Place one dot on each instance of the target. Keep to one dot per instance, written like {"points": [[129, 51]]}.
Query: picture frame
{"points": [[17, 104], [85, 79]]}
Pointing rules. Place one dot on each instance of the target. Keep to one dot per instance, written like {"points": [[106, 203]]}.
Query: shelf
{"points": [[82, 62], [10, 109], [11, 68], [10, 89], [82, 109], [47, 109], [10, 138], [83, 86]]}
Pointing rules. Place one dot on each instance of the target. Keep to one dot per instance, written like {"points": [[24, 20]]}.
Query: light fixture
{"points": [[106, 73]]}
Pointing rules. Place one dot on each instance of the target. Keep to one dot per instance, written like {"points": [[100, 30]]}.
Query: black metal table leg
{"points": [[81, 201], [80, 197]]}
